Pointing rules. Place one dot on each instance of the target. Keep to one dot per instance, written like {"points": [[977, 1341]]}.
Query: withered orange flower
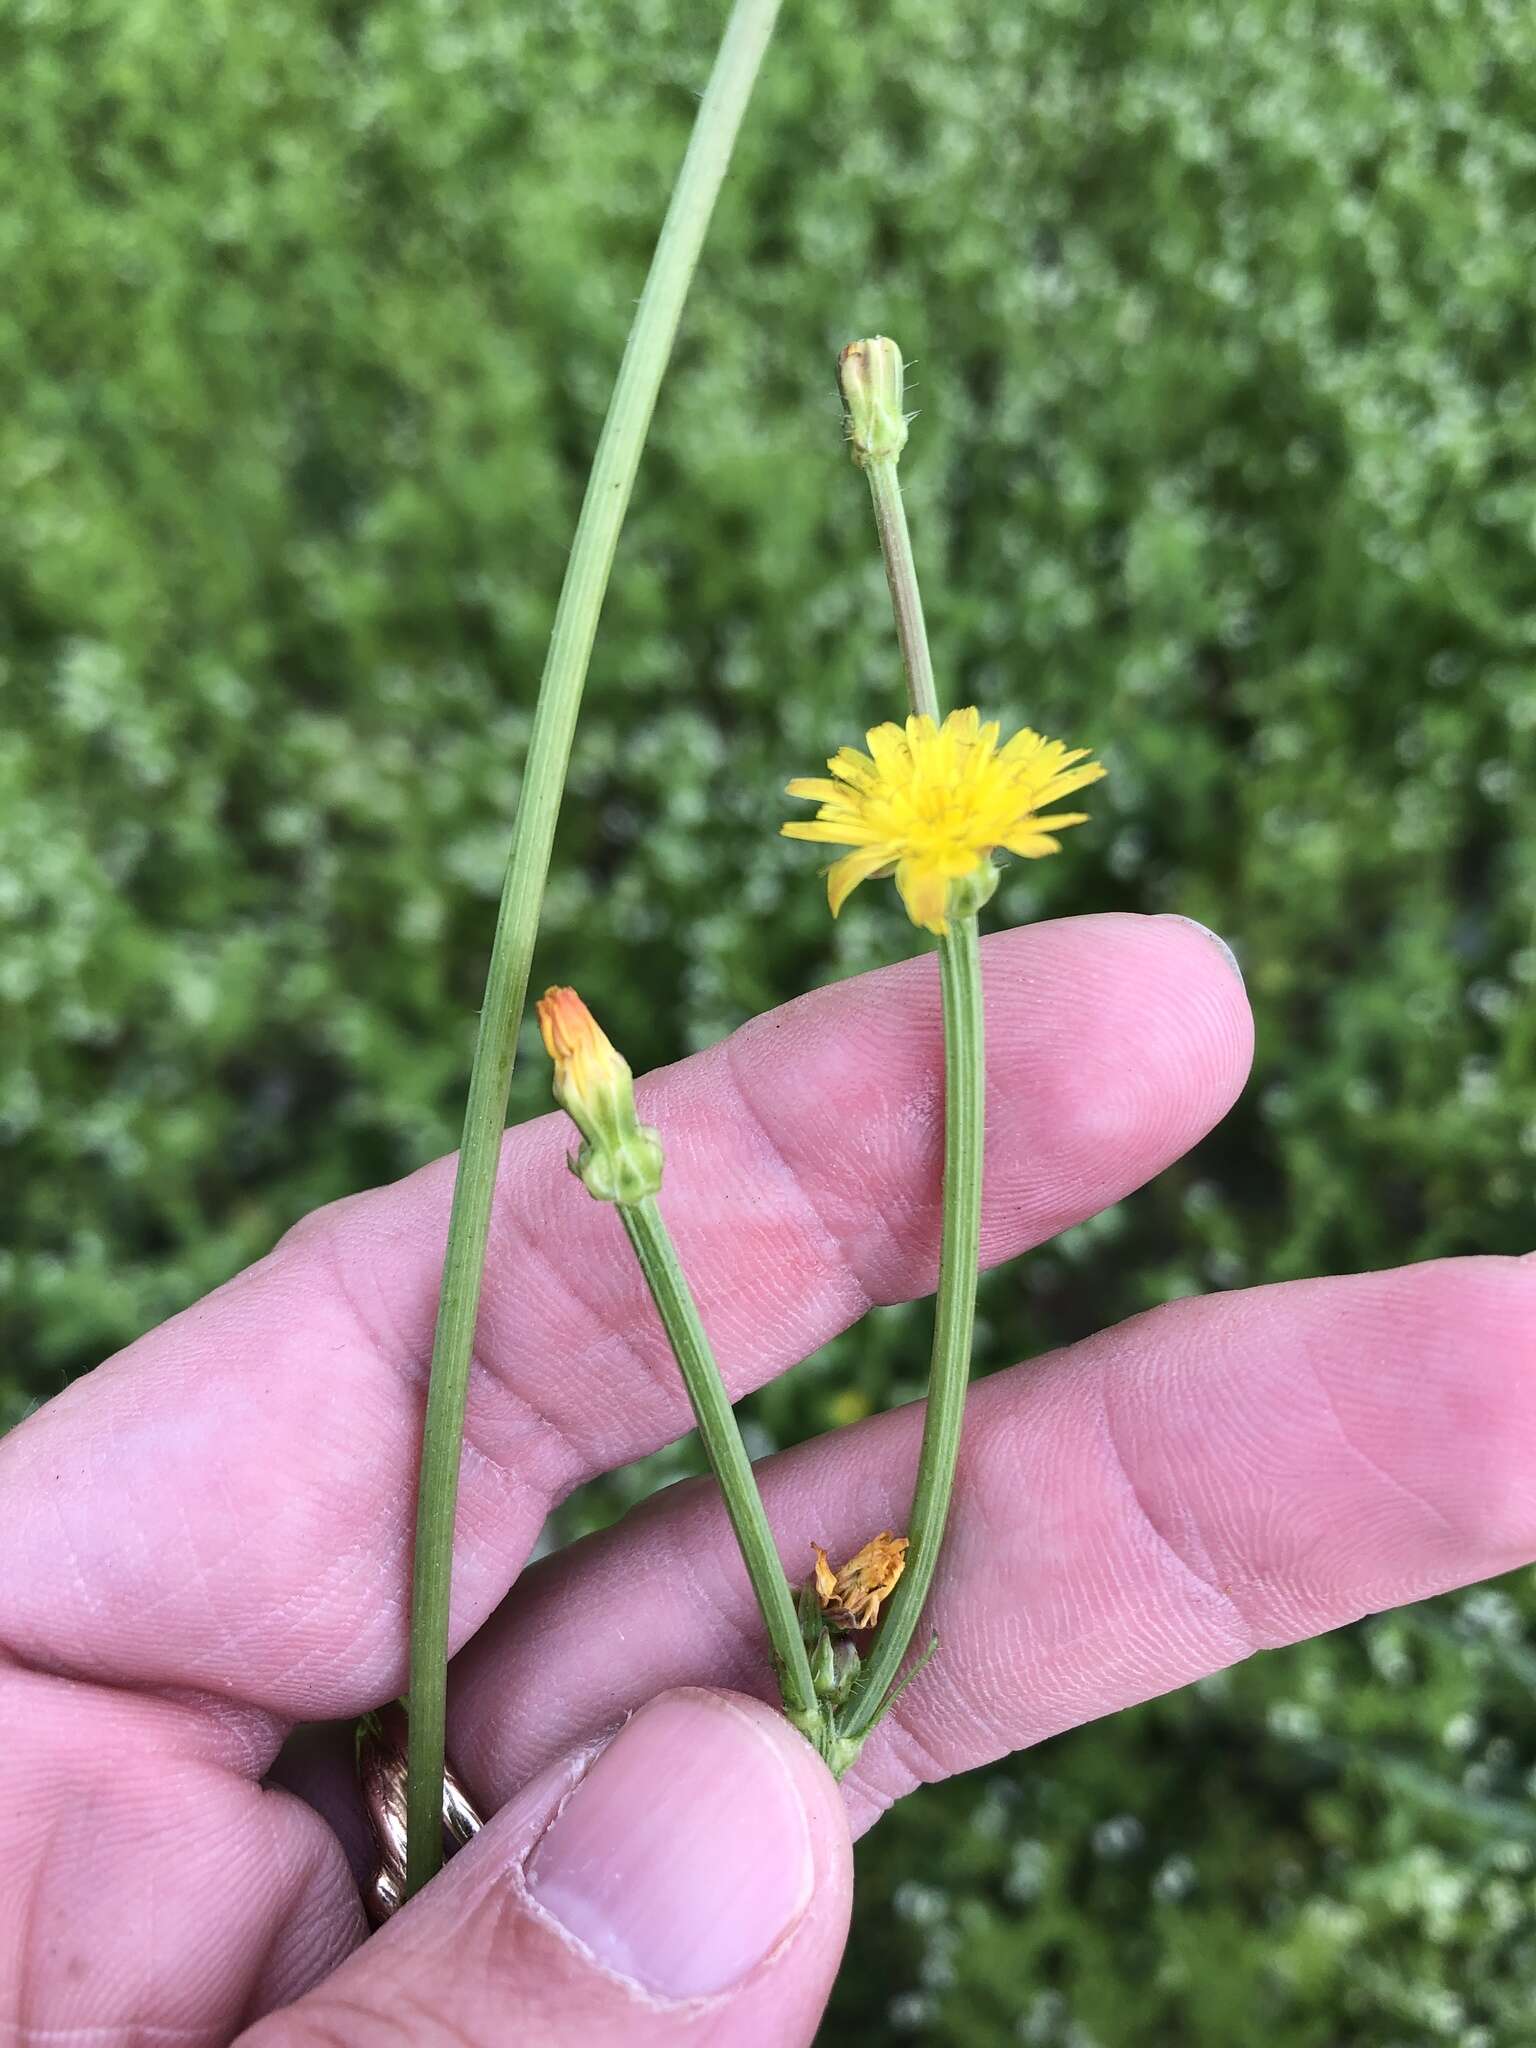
{"points": [[852, 1596]]}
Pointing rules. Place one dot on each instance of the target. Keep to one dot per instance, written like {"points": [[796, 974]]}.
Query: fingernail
{"points": [[1215, 938], [684, 1857]]}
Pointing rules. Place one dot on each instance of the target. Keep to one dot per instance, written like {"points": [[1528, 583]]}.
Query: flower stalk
{"points": [[728, 1460], [943, 886], [965, 1093], [586, 580], [620, 1161], [871, 377], [931, 805]]}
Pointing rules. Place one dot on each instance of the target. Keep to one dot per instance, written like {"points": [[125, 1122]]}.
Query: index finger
{"points": [[228, 1504]]}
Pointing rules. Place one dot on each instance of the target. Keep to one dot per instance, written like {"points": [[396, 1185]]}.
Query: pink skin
{"points": [[208, 1538]]}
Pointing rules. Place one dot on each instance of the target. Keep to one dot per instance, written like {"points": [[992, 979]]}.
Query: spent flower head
{"points": [[621, 1159], [853, 1594], [931, 804]]}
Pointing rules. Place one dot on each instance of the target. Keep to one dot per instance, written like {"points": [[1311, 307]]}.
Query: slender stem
{"points": [[901, 575], [726, 1453], [565, 668], [964, 1126]]}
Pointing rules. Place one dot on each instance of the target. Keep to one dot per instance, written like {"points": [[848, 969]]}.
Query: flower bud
{"points": [[870, 374], [823, 1667], [621, 1159], [835, 1666]]}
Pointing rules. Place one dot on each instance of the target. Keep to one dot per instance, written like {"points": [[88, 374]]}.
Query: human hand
{"points": [[208, 1539]]}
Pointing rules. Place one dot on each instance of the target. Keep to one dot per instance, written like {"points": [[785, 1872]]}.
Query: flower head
{"points": [[621, 1159], [852, 1596], [932, 803]]}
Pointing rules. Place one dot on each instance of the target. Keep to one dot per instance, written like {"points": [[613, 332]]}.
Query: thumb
{"points": [[689, 1881]]}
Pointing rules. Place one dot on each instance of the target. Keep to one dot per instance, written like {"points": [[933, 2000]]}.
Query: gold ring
{"points": [[381, 1745]]}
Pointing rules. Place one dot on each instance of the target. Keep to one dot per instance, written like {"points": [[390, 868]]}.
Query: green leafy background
{"points": [[1223, 332]]}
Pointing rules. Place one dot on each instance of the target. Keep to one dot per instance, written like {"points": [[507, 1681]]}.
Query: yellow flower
{"points": [[852, 1596], [931, 804]]}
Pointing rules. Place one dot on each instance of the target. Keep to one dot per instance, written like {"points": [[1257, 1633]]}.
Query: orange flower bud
{"points": [[621, 1159], [584, 1057]]}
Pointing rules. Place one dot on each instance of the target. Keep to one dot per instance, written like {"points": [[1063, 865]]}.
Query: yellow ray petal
{"points": [[1057, 821], [1075, 778], [826, 832], [1024, 745], [889, 749], [852, 767], [925, 892], [845, 875]]}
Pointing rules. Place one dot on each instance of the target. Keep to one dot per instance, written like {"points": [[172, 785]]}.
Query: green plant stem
{"points": [[965, 1089], [554, 722], [727, 1456], [901, 575], [954, 1318]]}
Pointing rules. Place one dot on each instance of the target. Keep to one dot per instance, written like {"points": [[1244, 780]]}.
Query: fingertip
{"points": [[696, 1846], [1216, 970], [1443, 1393], [1215, 980], [1114, 1043], [1126, 981], [1212, 938]]}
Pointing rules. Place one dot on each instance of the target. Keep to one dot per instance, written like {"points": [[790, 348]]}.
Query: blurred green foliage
{"points": [[1226, 461]]}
